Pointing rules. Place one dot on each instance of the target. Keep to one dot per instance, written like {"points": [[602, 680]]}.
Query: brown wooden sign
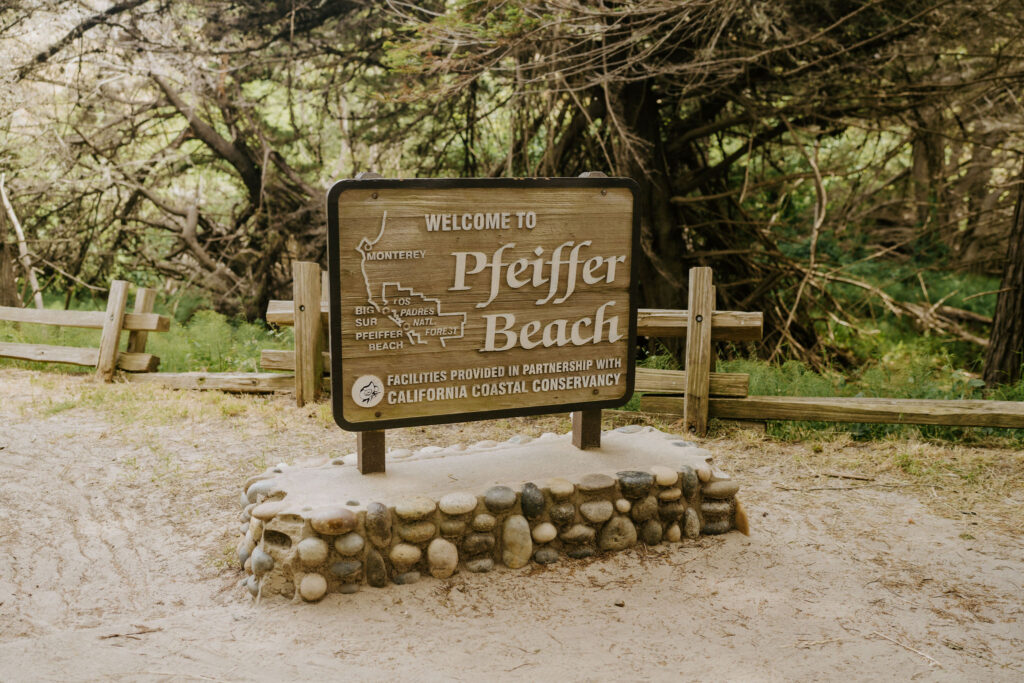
{"points": [[469, 299]]}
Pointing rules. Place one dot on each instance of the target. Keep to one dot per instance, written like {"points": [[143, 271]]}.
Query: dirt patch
{"points": [[117, 515]]}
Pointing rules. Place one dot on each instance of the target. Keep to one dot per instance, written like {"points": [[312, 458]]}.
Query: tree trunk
{"points": [[8, 287], [1005, 353]]}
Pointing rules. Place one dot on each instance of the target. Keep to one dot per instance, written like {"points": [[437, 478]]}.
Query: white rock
{"points": [[560, 488], [404, 556], [443, 558], [673, 533], [544, 532], [457, 503], [664, 476], [312, 587], [623, 505], [704, 473], [517, 542], [349, 544], [312, 551]]}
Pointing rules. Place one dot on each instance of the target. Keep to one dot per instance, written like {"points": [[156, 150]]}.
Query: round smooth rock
{"points": [[484, 522], [406, 578], [672, 512], [651, 532], [480, 566], [704, 473], [477, 544], [261, 562], [376, 571], [264, 487], [312, 551], [544, 532], [673, 534], [244, 550], [546, 556], [348, 570], [417, 532], [405, 555], [562, 514], [442, 558], [597, 511], [623, 506], [618, 534], [243, 499], [578, 533], [688, 481], [720, 489], [333, 520], [458, 503], [399, 453], [668, 495], [348, 588], [715, 527], [644, 509], [499, 498], [517, 542], [634, 483], [594, 483], [664, 476], [715, 509], [246, 513], [532, 500], [453, 528], [378, 525], [349, 544], [312, 587], [415, 508], [429, 450], [521, 439], [629, 429], [244, 527], [578, 552], [253, 586], [560, 489], [268, 510], [256, 526], [691, 526]]}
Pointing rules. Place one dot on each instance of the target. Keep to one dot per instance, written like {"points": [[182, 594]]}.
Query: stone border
{"points": [[336, 550]]}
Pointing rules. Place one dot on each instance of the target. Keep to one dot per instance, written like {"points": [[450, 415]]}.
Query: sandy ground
{"points": [[116, 510]]}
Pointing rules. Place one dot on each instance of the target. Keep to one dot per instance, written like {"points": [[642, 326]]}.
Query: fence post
{"points": [[111, 335], [308, 332], [698, 351], [144, 299]]}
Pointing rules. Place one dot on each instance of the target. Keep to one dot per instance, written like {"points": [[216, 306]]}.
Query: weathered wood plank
{"points": [[143, 322], [1006, 414], [71, 355], [698, 351], [144, 300], [137, 362], [308, 331], [284, 359], [650, 381], [110, 337], [240, 382], [725, 325]]}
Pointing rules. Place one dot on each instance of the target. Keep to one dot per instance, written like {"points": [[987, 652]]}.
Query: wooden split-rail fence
{"points": [[138, 323], [696, 394]]}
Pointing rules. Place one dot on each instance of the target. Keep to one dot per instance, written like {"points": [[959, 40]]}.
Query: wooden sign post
{"points": [[456, 300]]}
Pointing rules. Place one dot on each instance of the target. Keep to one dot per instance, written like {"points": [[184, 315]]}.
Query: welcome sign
{"points": [[469, 299]]}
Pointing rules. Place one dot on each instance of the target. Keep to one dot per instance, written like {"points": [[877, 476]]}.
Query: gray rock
{"points": [[417, 532], [684, 444], [520, 439], [618, 534], [349, 588], [532, 500], [720, 489], [672, 512], [349, 544], [245, 548], [651, 532], [597, 511], [629, 429], [716, 509], [691, 527], [348, 570], [517, 543], [484, 522], [644, 509], [243, 499], [578, 533], [415, 508], [546, 555], [634, 483], [252, 585], [716, 526], [376, 571], [595, 483], [688, 481], [442, 558], [406, 578], [477, 544], [261, 562], [562, 514], [453, 528], [480, 565], [499, 498], [378, 524], [578, 552]]}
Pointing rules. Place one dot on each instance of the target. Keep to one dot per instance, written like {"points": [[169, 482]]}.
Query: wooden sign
{"points": [[454, 300]]}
